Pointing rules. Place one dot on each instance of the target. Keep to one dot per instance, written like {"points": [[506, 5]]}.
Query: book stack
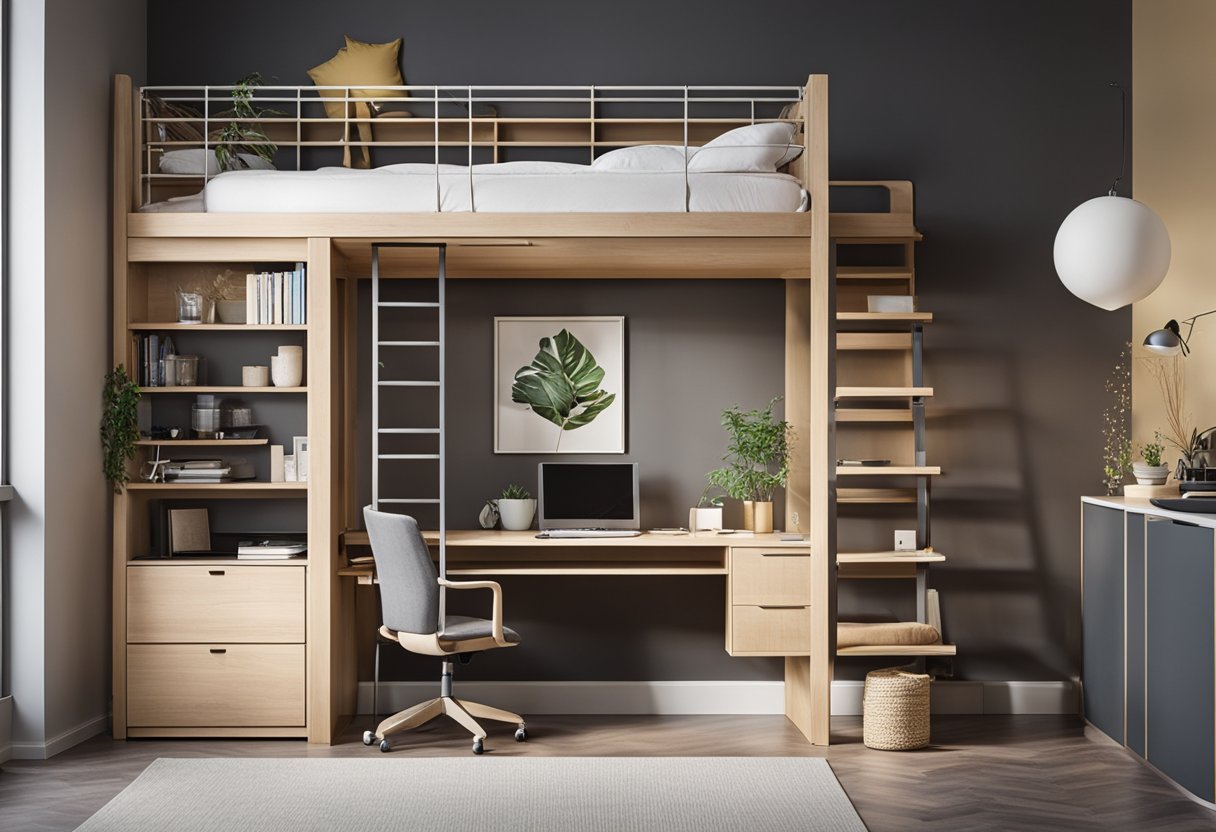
{"points": [[277, 297], [204, 471], [152, 349], [270, 549]]}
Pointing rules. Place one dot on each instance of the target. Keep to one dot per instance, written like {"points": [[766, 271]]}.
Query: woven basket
{"points": [[895, 708]]}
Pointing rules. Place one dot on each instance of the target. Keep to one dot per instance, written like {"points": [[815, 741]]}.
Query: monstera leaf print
{"points": [[562, 384]]}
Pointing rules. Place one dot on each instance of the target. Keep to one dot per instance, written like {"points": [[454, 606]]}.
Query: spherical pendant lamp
{"points": [[1112, 251]]}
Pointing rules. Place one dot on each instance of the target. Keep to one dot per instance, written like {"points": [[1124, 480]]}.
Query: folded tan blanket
{"points": [[849, 634]]}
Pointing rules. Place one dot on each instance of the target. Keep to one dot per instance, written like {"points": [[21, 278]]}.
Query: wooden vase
{"points": [[749, 514], [762, 517]]}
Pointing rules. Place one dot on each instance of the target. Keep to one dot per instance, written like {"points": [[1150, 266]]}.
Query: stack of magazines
{"points": [[204, 471], [270, 549]]}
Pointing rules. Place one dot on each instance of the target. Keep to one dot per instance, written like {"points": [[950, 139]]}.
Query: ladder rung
{"points": [[409, 384], [408, 343], [408, 456], [409, 304], [408, 430], [410, 500]]}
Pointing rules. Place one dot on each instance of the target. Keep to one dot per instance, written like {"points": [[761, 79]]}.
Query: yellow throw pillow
{"points": [[359, 63]]}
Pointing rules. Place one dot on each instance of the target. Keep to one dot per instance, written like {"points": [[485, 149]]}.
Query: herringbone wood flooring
{"points": [[982, 773]]}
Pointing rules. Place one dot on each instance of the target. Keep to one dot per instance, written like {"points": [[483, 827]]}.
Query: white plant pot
{"points": [[704, 519], [516, 515], [1150, 474], [287, 368]]}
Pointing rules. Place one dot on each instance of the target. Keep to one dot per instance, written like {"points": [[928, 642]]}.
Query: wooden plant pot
{"points": [[762, 517]]}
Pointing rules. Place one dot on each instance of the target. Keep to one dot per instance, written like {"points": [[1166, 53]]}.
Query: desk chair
{"points": [[409, 600]]}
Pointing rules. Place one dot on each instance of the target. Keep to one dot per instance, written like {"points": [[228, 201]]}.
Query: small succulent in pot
{"points": [[516, 508], [1151, 471]]}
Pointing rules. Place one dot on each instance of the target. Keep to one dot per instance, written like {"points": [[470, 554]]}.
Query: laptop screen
{"points": [[578, 495]]}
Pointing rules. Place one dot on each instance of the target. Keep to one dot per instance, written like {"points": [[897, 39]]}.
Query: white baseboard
{"points": [[6, 728], [62, 742], [948, 697]]}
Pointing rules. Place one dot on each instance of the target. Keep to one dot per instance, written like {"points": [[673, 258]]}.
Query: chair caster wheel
{"points": [[521, 734], [384, 746], [368, 738], [478, 747]]}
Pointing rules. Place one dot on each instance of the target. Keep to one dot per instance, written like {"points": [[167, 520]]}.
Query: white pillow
{"points": [[647, 157], [191, 162], [760, 148]]}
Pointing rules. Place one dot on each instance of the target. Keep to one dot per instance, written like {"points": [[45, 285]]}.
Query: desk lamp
{"points": [[1169, 341]]}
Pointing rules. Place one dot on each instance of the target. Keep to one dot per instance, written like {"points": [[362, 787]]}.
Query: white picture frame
{"points": [[299, 445], [520, 430]]}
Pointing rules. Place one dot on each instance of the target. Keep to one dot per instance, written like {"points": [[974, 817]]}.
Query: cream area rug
{"points": [[572, 794]]}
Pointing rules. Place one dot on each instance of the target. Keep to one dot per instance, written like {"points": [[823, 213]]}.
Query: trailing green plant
{"points": [[562, 384], [707, 501], [119, 426], [515, 492], [241, 135], [1152, 451], [1116, 424], [758, 456]]}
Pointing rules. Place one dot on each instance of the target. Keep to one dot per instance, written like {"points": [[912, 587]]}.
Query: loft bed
{"points": [[491, 126]]}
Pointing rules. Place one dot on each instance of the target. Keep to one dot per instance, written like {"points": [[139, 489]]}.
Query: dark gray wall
{"points": [[1000, 114]]}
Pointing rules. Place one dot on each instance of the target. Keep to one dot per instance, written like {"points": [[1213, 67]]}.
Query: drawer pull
{"points": [[785, 554], [215, 651], [215, 571], [784, 607]]}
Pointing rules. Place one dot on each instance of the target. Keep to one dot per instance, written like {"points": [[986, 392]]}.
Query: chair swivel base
{"points": [[460, 710]]}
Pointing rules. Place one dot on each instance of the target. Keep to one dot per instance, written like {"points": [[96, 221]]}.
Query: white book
{"points": [[251, 299]]}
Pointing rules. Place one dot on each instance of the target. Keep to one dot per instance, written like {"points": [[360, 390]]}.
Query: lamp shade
{"points": [[1165, 341], [1112, 251]]}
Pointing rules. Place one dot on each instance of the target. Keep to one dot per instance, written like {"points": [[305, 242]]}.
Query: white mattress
{"points": [[519, 187]]}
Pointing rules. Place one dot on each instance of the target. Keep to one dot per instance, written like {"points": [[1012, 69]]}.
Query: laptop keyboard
{"points": [[551, 533]]}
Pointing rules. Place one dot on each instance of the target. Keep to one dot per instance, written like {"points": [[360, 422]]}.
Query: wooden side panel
{"points": [[798, 403]]}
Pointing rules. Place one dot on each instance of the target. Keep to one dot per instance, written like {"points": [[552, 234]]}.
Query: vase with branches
{"points": [[758, 461], [1180, 433]]}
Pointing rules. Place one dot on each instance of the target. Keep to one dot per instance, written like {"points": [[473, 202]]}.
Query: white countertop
{"points": [[1139, 505]]}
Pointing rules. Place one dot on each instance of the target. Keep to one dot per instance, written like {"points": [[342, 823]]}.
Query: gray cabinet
{"points": [[1136, 566], [1103, 618], [1181, 655]]}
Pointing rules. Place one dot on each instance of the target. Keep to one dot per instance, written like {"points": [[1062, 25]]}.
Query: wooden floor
{"points": [[982, 773]]}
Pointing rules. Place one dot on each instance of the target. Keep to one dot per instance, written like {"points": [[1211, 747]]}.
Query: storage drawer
{"points": [[220, 685], [230, 604], [770, 576], [775, 630]]}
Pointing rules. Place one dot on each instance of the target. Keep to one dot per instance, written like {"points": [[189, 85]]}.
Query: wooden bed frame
{"points": [[795, 247]]}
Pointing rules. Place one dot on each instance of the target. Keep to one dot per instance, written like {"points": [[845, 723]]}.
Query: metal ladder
{"points": [[379, 430]]}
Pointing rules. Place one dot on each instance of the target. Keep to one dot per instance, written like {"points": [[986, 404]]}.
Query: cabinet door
{"points": [[1181, 665], [1102, 618], [1135, 632]]}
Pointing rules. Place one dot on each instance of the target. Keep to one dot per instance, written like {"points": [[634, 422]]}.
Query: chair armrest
{"points": [[496, 616]]}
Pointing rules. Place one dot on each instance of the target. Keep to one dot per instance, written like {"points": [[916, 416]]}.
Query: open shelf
{"points": [[898, 650], [888, 470], [155, 327], [223, 389], [882, 392], [216, 560], [212, 488], [872, 273], [887, 317], [200, 443], [891, 341], [876, 495], [873, 414], [890, 557]]}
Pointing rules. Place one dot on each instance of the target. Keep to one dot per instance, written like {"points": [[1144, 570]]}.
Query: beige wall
{"points": [[1174, 164]]}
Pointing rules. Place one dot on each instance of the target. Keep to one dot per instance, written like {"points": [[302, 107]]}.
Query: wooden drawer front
{"points": [[221, 685], [778, 630], [770, 576], [195, 604]]}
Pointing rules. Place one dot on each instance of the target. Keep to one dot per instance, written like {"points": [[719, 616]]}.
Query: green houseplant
{"points": [[119, 426], [516, 508], [242, 135], [1152, 471], [758, 462]]}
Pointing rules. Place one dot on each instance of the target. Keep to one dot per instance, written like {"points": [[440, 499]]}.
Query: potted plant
{"points": [[707, 514], [243, 134], [758, 462], [119, 426], [516, 508], [1151, 471]]}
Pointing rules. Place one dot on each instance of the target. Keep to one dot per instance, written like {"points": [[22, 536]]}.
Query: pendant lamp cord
{"points": [[1114, 188]]}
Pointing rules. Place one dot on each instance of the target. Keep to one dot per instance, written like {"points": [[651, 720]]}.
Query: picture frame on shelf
{"points": [[299, 446]]}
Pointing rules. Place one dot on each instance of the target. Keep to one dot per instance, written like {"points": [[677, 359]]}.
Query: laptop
{"points": [[588, 499]]}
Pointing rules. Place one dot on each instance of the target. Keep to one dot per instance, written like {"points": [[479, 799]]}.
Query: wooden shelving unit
{"points": [[204, 611], [881, 408]]}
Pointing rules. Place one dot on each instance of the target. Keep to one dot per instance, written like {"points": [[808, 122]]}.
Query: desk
{"points": [[770, 584]]}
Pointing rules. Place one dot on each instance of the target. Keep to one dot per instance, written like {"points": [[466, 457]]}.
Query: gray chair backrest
{"points": [[409, 584]]}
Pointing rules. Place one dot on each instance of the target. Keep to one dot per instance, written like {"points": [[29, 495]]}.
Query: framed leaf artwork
{"points": [[559, 385]]}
